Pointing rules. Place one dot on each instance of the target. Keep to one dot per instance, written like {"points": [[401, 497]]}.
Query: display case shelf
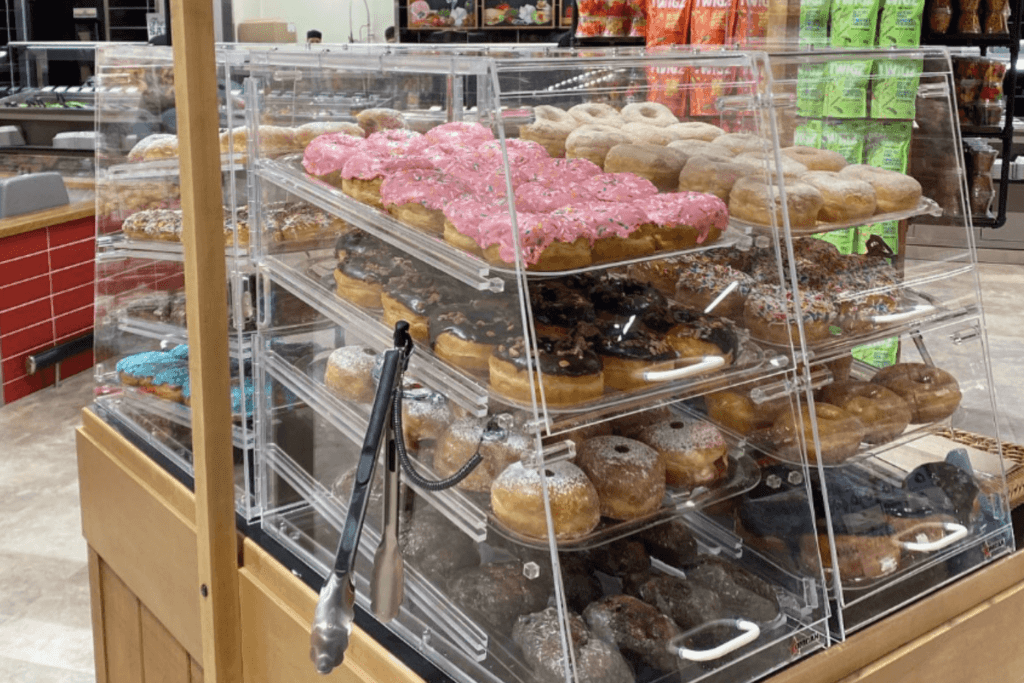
{"points": [[120, 246], [238, 348]]}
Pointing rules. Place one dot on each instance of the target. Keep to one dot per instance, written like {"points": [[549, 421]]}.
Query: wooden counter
{"points": [[140, 525], [16, 225]]}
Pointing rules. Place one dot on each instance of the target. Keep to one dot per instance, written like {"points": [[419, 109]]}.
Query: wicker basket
{"points": [[1011, 451]]}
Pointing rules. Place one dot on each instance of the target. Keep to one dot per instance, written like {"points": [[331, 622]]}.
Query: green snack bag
{"points": [[900, 23], [894, 91], [888, 231], [879, 354], [888, 145], [814, 23], [808, 134], [845, 137], [846, 89], [854, 23], [842, 239], [810, 89]]}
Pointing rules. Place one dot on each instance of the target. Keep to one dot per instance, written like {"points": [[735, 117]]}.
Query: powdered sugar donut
{"points": [[593, 142], [694, 451], [517, 499], [629, 476]]}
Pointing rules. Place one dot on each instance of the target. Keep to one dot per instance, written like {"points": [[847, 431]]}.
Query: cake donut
{"points": [[499, 447], [752, 199], [694, 451], [517, 500], [628, 475], [711, 175], [698, 147], [567, 370], [640, 631], [660, 165], [592, 142], [696, 130], [769, 315], [839, 434], [894, 191], [380, 118], [738, 143], [349, 373], [653, 113], [882, 412], [932, 394], [846, 199], [550, 127], [762, 162], [646, 134], [597, 113], [816, 159], [466, 335]]}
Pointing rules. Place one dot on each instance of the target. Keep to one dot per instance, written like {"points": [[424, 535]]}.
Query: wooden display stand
{"points": [[140, 526]]}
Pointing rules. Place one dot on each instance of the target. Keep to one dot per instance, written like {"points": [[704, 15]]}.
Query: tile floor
{"points": [[45, 620]]}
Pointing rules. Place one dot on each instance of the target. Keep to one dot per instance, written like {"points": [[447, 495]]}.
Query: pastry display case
{"points": [[141, 333]]}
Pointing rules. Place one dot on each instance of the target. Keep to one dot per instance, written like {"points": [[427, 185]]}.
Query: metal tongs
{"points": [[335, 610]]}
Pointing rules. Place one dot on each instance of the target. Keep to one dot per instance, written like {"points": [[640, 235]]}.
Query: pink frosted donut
{"points": [[397, 142], [539, 198], [619, 187], [686, 218], [615, 230], [326, 154], [519, 151], [459, 132], [463, 218], [545, 242], [560, 172], [430, 188]]}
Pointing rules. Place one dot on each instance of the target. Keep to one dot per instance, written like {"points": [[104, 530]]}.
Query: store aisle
{"points": [[45, 622]]}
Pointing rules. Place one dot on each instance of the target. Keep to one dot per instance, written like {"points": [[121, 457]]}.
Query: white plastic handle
{"points": [[706, 364], [956, 533], [909, 314], [749, 632]]}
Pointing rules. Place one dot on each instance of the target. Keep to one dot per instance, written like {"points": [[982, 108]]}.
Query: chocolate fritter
{"points": [[568, 356], [639, 630], [597, 661], [555, 303], [626, 340], [672, 543], [434, 545], [498, 593], [689, 604], [619, 558], [581, 586], [485, 321], [946, 486], [741, 594]]}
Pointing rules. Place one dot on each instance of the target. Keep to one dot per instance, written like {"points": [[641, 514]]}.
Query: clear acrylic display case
{"points": [[140, 295], [507, 595]]}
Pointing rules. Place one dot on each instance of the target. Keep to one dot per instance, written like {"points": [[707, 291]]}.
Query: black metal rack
{"points": [[1011, 41]]}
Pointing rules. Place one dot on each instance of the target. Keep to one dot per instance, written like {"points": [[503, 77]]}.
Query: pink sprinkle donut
{"points": [[537, 197], [619, 187], [431, 188], [560, 172], [328, 153], [459, 132], [519, 151], [704, 212], [395, 142]]}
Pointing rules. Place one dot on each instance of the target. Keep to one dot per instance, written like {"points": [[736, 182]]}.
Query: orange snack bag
{"points": [[751, 21], [712, 21], [668, 22], [707, 84], [668, 87]]}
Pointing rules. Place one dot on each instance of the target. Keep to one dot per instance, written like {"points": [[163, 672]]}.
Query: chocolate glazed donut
{"points": [[568, 369], [623, 298], [557, 307], [628, 350], [466, 334], [693, 334]]}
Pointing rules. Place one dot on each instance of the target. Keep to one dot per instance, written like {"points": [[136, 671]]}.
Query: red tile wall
{"points": [[47, 286]]}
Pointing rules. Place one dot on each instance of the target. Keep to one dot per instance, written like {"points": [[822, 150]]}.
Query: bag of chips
{"points": [[846, 88], [711, 21], [854, 23], [667, 86], [845, 137], [808, 133], [707, 84], [900, 23], [887, 145], [668, 22], [813, 30], [810, 89], [751, 21], [894, 90]]}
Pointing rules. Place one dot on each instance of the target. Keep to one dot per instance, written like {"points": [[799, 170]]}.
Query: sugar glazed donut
{"points": [[661, 165], [646, 134], [931, 393], [845, 199], [592, 142], [755, 201], [550, 128], [696, 130], [653, 113], [839, 434], [816, 159], [597, 113], [629, 476], [883, 413], [895, 191], [694, 451], [517, 500]]}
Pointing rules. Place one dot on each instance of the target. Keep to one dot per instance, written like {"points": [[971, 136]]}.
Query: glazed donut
{"points": [[750, 200], [763, 164], [711, 175], [349, 373], [894, 191], [660, 165], [550, 128], [845, 199], [592, 142], [597, 113], [860, 556], [155, 146], [696, 130], [694, 451], [768, 314], [652, 113], [882, 412], [517, 500], [373, 120], [839, 434], [569, 372], [307, 132], [738, 143], [816, 159], [466, 335], [498, 448], [629, 476], [931, 393], [646, 134], [701, 148], [736, 411]]}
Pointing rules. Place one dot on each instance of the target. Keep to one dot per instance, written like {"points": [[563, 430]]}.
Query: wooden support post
{"points": [[195, 86]]}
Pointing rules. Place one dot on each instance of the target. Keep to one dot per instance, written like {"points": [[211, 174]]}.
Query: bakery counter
{"points": [[46, 291], [145, 568]]}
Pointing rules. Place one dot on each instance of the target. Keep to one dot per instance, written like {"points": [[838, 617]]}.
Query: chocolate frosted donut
{"points": [[412, 297], [558, 307], [358, 243], [638, 629], [566, 367], [465, 335], [628, 351], [693, 335], [361, 279], [621, 298]]}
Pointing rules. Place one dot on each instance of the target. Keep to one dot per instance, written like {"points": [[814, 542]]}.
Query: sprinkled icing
{"points": [[467, 214], [619, 187], [538, 197], [431, 188], [519, 152], [695, 209], [155, 222], [775, 304], [394, 142], [562, 172], [328, 153], [459, 132], [697, 275]]}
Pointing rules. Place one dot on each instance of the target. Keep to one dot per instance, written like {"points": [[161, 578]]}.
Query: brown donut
{"points": [[931, 393], [839, 432], [629, 476], [845, 198], [349, 373], [498, 448], [883, 413], [751, 201], [517, 500], [693, 451], [660, 165], [816, 159], [895, 191]]}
